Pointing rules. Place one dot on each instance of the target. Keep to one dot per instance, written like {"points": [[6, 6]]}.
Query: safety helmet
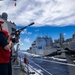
{"points": [[5, 32]]}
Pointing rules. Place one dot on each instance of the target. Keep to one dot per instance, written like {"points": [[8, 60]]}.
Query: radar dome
{"points": [[4, 16]]}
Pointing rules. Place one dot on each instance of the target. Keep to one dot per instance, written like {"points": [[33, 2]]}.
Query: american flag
{"points": [[34, 43]]}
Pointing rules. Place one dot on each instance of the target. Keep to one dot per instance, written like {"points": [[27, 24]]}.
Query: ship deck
{"points": [[22, 73]]}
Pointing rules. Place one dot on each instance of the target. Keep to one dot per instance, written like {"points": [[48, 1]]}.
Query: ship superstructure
{"points": [[8, 25], [11, 27], [45, 45]]}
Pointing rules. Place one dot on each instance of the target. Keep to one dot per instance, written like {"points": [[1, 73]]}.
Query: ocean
{"points": [[43, 66]]}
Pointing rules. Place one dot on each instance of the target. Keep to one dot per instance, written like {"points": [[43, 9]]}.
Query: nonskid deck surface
{"points": [[22, 73]]}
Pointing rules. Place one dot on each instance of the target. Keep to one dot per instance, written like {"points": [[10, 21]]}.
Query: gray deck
{"points": [[22, 73]]}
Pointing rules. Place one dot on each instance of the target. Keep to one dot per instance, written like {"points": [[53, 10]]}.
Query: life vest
{"points": [[4, 54]]}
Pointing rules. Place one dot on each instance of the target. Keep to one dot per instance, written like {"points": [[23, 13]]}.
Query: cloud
{"points": [[64, 34], [29, 32], [42, 12], [20, 42], [25, 32], [27, 40]]}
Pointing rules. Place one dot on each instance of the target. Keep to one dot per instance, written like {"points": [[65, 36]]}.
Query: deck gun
{"points": [[17, 32]]}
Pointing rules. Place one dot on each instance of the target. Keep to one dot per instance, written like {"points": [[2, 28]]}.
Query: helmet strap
{"points": [[0, 27]]}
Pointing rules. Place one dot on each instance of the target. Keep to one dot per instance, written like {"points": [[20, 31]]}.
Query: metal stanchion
{"points": [[70, 61], [16, 70]]}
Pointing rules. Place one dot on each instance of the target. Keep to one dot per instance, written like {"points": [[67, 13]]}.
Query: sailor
{"points": [[14, 40], [5, 50]]}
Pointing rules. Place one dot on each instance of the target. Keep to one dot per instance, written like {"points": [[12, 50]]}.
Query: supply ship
{"points": [[45, 45]]}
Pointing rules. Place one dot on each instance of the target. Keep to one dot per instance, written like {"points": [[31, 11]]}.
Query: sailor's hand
{"points": [[8, 47], [18, 32], [10, 43], [17, 38], [9, 38]]}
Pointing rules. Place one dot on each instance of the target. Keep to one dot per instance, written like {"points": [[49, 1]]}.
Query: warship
{"points": [[18, 67]]}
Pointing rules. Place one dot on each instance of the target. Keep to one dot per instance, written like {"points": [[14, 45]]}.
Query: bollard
{"points": [[16, 70]]}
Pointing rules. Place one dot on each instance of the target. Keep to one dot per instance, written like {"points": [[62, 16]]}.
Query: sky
{"points": [[51, 18], [31, 33]]}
